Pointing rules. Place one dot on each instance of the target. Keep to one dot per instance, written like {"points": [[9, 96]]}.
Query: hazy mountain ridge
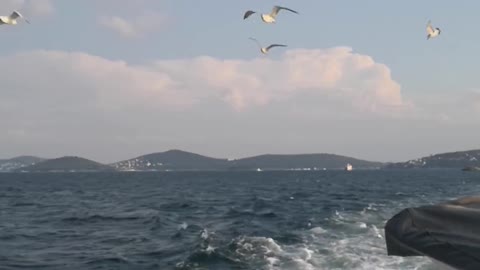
{"points": [[458, 159], [297, 161], [66, 164], [178, 160], [181, 160], [171, 160], [12, 164]]}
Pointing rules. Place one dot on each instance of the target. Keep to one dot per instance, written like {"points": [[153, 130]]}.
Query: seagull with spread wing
{"points": [[12, 18], [265, 50], [269, 18], [432, 32]]}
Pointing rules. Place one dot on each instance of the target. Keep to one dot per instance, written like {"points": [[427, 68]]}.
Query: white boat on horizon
{"points": [[348, 167]]}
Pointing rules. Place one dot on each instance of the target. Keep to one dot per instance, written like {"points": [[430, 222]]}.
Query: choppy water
{"points": [[234, 220]]}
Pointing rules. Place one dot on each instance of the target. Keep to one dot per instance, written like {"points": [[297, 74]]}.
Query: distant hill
{"points": [[178, 160], [181, 160], [319, 161], [171, 160], [9, 165], [457, 160], [67, 164]]}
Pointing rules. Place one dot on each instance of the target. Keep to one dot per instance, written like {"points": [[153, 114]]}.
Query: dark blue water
{"points": [[216, 220]]}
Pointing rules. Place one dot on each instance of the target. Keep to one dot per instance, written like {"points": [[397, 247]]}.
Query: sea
{"points": [[214, 220]]}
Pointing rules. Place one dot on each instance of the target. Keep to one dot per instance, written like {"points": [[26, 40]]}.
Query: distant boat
{"points": [[348, 167], [259, 170]]}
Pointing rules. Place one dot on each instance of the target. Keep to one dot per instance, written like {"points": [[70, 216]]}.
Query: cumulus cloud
{"points": [[64, 79], [337, 73], [57, 102], [28, 7], [334, 72], [133, 27]]}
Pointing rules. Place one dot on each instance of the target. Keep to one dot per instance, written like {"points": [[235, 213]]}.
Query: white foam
{"points": [[318, 230], [210, 249], [362, 225], [348, 240], [204, 234], [376, 232], [183, 226]]}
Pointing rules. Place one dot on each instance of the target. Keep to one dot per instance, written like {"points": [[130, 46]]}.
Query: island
{"points": [[178, 160], [450, 160], [7, 165], [67, 164], [171, 160]]}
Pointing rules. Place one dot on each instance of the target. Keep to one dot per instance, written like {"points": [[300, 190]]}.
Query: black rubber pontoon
{"points": [[449, 233]]}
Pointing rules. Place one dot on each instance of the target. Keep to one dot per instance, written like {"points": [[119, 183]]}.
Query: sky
{"points": [[115, 79]]}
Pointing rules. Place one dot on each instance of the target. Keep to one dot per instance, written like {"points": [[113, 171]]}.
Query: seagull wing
{"points": [[275, 45], [256, 41], [430, 29], [15, 14], [277, 9], [248, 13]]}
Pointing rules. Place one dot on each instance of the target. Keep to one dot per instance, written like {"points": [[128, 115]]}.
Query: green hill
{"points": [[67, 164], [456, 160], [181, 160], [329, 161], [9, 165], [171, 160]]}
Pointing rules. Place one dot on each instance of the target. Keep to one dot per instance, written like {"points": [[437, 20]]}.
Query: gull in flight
{"points": [[265, 50], [432, 32], [268, 18], [12, 19]]}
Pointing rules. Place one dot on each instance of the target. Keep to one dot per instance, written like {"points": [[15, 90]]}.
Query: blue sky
{"points": [[168, 47]]}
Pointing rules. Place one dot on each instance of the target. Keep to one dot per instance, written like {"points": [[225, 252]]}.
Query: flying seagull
{"points": [[265, 50], [432, 32], [12, 19], [268, 18]]}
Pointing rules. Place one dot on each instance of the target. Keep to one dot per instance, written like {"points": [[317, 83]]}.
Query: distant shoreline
{"points": [[181, 161]]}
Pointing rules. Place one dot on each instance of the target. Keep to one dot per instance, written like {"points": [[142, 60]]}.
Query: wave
{"points": [[109, 261], [99, 218]]}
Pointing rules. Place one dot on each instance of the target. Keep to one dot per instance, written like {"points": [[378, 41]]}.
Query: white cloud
{"points": [[28, 7], [61, 77], [334, 100], [337, 73], [58, 102], [119, 25], [133, 27]]}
